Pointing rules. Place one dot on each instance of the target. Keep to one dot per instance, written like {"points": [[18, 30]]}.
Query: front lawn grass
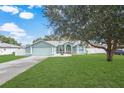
{"points": [[73, 72], [6, 58]]}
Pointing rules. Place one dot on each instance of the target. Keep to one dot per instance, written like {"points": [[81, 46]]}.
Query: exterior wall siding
{"points": [[7, 51], [81, 49], [75, 50], [78, 49]]}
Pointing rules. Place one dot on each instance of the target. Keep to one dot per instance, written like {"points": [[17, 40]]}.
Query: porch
{"points": [[64, 49]]}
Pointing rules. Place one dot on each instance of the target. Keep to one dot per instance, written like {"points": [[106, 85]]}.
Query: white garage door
{"points": [[41, 51]]}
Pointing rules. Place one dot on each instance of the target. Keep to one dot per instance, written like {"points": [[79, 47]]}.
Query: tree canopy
{"points": [[51, 37], [96, 25], [8, 40]]}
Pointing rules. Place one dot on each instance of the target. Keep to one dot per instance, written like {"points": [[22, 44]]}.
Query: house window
{"points": [[60, 49]]}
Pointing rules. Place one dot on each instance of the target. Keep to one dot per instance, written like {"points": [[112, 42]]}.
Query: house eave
{"points": [[41, 41]]}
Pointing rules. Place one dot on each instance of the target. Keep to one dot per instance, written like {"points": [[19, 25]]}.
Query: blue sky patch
{"points": [[24, 23]]}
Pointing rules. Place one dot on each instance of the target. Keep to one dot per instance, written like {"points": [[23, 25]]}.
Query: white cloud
{"points": [[13, 30], [9, 9], [26, 15], [34, 6], [17, 33], [11, 27]]}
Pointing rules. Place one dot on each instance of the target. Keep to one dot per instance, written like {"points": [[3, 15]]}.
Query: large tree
{"points": [[99, 26]]}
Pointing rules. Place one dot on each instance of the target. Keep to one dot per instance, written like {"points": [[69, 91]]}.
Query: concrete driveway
{"points": [[11, 69]]}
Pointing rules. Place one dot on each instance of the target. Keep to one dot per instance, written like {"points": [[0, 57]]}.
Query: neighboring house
{"points": [[6, 48], [51, 48]]}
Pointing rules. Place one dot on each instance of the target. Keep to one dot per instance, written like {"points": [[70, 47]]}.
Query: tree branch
{"points": [[96, 45]]}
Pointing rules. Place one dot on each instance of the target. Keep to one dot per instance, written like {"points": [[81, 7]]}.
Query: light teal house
{"points": [[51, 48]]}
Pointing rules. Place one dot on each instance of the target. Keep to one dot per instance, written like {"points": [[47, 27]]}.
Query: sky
{"points": [[23, 22]]}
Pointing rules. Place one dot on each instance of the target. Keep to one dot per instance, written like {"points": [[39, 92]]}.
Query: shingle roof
{"points": [[56, 43], [5, 45]]}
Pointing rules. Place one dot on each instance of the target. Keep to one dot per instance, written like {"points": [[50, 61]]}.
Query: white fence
{"points": [[94, 50], [20, 52]]}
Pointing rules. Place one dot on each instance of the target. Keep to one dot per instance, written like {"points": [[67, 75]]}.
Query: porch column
{"points": [[77, 49], [71, 49], [55, 50], [64, 49]]}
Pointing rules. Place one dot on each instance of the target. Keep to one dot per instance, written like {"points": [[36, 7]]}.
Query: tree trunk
{"points": [[109, 56]]}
